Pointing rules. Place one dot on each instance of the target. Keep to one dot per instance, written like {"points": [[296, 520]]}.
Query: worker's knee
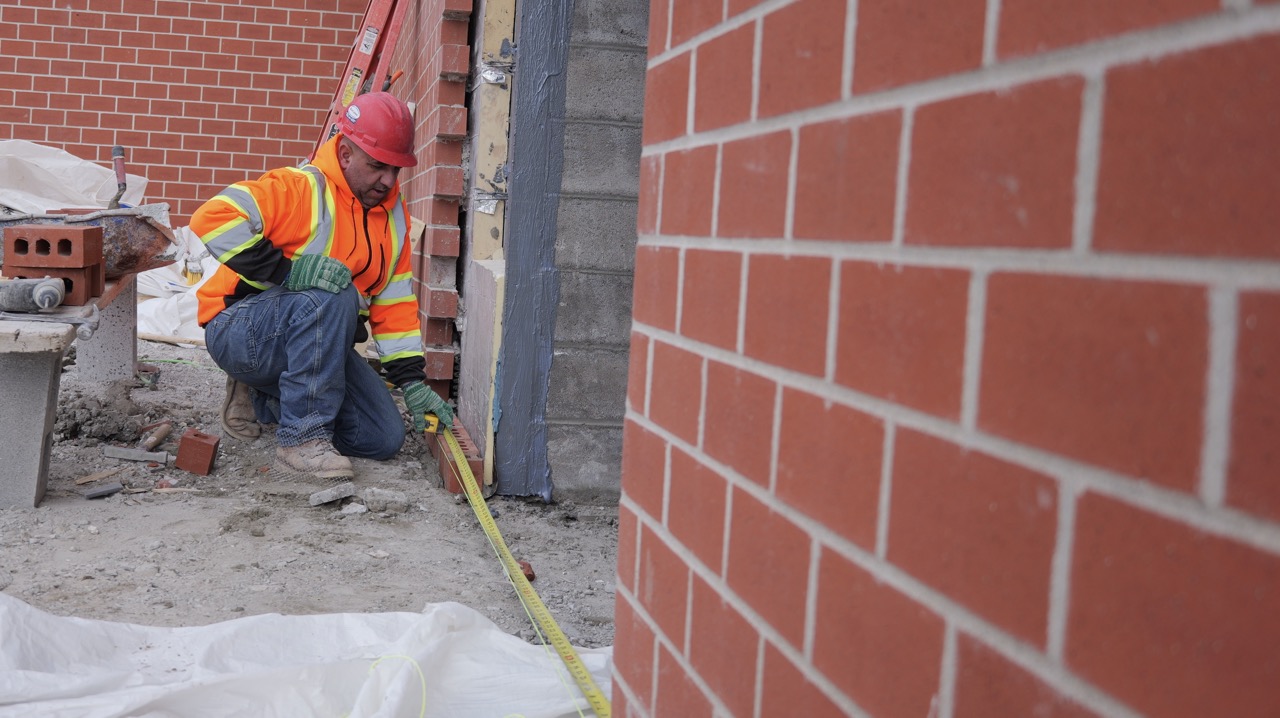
{"points": [[366, 444]]}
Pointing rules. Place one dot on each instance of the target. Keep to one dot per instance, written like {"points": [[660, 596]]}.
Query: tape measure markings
{"points": [[528, 596]]}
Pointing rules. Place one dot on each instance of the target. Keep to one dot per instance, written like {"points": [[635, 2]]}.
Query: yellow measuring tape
{"points": [[528, 596]]}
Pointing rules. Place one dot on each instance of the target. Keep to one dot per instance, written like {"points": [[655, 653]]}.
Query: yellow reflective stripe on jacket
{"points": [[321, 212], [398, 345], [399, 289], [239, 234]]}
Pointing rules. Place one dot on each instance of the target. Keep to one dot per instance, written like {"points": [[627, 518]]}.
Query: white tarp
{"points": [[35, 179], [446, 661]]}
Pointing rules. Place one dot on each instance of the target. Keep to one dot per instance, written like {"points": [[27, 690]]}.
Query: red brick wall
{"points": [[201, 94], [204, 94], [953, 375], [434, 54]]}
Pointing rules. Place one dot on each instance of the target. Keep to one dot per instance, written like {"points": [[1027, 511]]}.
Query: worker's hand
{"points": [[316, 271], [422, 400]]}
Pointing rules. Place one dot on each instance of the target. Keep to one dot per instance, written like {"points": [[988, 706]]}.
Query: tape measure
{"points": [[528, 596]]}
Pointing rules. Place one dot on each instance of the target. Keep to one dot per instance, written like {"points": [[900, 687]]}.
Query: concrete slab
{"points": [[112, 352], [485, 281], [29, 395]]}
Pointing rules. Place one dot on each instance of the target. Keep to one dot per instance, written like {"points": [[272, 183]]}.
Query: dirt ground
{"points": [[244, 540]]}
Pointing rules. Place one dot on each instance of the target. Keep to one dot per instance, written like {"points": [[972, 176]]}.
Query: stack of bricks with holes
{"points": [[62, 251]]}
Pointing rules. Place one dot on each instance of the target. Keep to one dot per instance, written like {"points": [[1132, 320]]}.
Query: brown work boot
{"points": [[238, 417], [317, 459]]}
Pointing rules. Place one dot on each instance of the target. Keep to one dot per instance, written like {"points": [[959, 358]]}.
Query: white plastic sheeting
{"points": [[446, 661], [35, 179], [172, 308]]}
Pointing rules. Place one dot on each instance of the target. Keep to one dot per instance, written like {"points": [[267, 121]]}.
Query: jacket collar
{"points": [[326, 161]]}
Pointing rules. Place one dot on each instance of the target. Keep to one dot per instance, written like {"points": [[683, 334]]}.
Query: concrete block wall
{"points": [[201, 94], [595, 246], [952, 380]]}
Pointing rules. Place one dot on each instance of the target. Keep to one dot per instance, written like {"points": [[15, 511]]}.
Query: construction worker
{"points": [[307, 254]]}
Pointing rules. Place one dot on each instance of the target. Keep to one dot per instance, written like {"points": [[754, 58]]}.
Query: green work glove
{"points": [[316, 271], [422, 400]]}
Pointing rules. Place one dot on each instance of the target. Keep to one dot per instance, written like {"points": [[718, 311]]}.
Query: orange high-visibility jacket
{"points": [[255, 228]]}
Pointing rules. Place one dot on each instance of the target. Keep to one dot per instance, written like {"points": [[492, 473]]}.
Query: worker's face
{"points": [[370, 180]]}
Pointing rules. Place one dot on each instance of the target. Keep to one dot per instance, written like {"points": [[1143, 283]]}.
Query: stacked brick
{"points": [[435, 56], [202, 94], [953, 367], [61, 251]]}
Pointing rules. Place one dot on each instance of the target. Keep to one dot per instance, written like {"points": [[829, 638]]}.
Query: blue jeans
{"points": [[294, 349]]}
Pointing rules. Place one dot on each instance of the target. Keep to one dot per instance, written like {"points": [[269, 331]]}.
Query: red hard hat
{"points": [[380, 125]]}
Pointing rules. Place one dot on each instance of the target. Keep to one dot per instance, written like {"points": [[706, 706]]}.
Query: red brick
{"points": [[628, 526], [877, 645], [442, 241], [1255, 455], [788, 691], [196, 452], [904, 41], [696, 508], [656, 275], [724, 79], [439, 303], [997, 168], [901, 334], [659, 21], [769, 565], [1184, 166], [619, 706], [1105, 371], [650, 175], [445, 182], [1170, 620], [439, 363], [663, 587], [455, 62], [690, 18], [801, 51], [637, 371], [739, 420], [677, 694], [81, 283], [634, 644], [737, 7], [829, 460], [722, 649], [753, 186], [53, 245], [1029, 27], [788, 300], [846, 178], [711, 292], [688, 184], [988, 684], [644, 461], [437, 332], [450, 469], [677, 390], [666, 100], [976, 528]]}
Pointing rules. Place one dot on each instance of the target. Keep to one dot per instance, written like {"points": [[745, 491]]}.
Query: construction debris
{"points": [[114, 487], [98, 476], [333, 493], [121, 452]]}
